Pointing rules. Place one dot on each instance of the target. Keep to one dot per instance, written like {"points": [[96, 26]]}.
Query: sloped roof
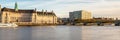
{"points": [[46, 13], [20, 10], [28, 11]]}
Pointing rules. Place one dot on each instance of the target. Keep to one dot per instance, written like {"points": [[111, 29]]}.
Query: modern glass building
{"points": [[82, 14]]}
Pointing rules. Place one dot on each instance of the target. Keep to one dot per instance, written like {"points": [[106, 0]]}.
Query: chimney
{"points": [[35, 10], [52, 11], [116, 18], [45, 11], [42, 11]]}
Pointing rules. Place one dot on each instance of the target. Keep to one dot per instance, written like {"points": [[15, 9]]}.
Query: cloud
{"points": [[63, 7], [112, 0]]}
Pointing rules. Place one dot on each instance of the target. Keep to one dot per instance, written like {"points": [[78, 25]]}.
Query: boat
{"points": [[8, 25]]}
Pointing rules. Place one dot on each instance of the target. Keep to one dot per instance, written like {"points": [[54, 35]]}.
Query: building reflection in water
{"points": [[43, 33], [60, 33], [8, 34], [101, 33], [75, 33], [24, 33], [15, 34]]}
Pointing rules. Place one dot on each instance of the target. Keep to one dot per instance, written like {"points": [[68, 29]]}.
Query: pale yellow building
{"points": [[16, 15]]}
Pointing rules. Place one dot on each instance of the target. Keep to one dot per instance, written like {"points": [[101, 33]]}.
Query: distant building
{"points": [[65, 20], [16, 15], [101, 18], [83, 15]]}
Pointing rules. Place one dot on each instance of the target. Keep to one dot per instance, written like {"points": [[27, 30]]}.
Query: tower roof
{"points": [[16, 7]]}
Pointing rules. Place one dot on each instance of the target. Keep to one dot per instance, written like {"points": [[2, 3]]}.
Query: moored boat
{"points": [[8, 25]]}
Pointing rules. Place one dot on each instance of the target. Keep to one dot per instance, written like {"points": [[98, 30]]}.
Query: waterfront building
{"points": [[16, 15], [65, 20], [0, 8], [82, 14], [0, 13]]}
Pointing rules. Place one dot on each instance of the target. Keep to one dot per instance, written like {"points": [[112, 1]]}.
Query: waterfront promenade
{"points": [[32, 24], [116, 23]]}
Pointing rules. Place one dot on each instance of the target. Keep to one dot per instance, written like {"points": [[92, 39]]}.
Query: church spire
{"points": [[16, 7]]}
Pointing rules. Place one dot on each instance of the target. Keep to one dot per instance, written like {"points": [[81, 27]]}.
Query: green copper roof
{"points": [[16, 7]]}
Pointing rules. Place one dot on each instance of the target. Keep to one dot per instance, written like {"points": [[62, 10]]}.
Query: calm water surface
{"points": [[61, 33]]}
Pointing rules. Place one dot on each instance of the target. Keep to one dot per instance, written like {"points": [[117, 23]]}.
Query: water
{"points": [[61, 33]]}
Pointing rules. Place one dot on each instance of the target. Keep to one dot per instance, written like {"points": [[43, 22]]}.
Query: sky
{"points": [[98, 8]]}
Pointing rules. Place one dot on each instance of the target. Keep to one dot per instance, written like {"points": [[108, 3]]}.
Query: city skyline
{"points": [[63, 7]]}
